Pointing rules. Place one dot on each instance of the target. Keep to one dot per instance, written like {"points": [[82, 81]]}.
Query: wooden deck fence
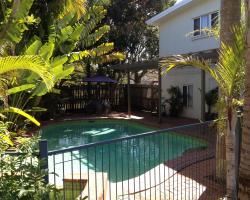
{"points": [[77, 98]]}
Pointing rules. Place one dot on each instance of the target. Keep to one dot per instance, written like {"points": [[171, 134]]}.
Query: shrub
{"points": [[211, 99], [175, 101], [21, 176]]}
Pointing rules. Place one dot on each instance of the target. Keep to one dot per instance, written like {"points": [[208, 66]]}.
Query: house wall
{"points": [[174, 40], [188, 76], [175, 30]]}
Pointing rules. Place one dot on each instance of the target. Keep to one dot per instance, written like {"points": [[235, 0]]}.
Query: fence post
{"points": [[43, 156]]}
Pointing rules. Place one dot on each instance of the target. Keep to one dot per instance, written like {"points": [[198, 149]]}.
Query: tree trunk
{"points": [[137, 78], [230, 16], [244, 174], [88, 74], [230, 156], [221, 157]]}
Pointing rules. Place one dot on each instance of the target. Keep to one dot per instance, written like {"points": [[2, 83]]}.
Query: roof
{"points": [[211, 55], [154, 20], [143, 65]]}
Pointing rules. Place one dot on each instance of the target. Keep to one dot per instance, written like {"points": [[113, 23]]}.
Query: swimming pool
{"points": [[122, 159]]}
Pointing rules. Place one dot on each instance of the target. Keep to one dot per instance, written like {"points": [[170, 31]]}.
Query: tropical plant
{"points": [[229, 73], [211, 99], [71, 39], [5, 137], [9, 65], [19, 63], [175, 101], [15, 19], [22, 176]]}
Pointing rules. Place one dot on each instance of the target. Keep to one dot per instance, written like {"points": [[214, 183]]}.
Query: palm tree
{"points": [[229, 75], [244, 172], [230, 17]]}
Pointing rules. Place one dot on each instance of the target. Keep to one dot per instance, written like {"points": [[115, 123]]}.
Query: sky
{"points": [[178, 1]]}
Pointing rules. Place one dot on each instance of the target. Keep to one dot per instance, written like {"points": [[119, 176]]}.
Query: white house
{"points": [[181, 32]]}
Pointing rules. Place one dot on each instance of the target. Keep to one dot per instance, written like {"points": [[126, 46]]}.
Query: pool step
{"points": [[96, 186], [73, 185]]}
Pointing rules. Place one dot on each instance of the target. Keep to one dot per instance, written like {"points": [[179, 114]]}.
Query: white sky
{"points": [[178, 1]]}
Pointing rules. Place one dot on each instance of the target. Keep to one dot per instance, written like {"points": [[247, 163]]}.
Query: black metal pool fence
{"points": [[175, 163]]}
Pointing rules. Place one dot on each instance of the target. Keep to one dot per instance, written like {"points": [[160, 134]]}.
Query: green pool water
{"points": [[121, 160]]}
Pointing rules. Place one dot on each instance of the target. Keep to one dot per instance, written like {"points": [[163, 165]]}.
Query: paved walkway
{"points": [[163, 183], [141, 117]]}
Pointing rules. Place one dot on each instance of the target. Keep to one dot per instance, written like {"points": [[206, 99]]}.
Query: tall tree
{"points": [[129, 31], [244, 173], [230, 17]]}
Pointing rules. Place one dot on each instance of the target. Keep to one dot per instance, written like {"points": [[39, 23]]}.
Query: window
{"points": [[205, 22], [188, 95], [214, 19], [197, 27]]}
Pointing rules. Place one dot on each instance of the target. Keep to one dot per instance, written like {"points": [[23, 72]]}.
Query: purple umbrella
{"points": [[99, 79]]}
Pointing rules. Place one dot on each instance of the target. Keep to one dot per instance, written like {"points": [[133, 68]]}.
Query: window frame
{"points": [[189, 104], [199, 33]]}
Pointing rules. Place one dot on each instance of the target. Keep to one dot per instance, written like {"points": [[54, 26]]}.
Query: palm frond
{"points": [[93, 17], [20, 88], [33, 63], [22, 113], [178, 61], [95, 37], [231, 65], [108, 58], [102, 49], [77, 6]]}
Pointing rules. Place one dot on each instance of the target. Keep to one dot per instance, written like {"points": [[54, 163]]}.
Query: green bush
{"points": [[21, 176], [211, 98], [175, 101]]}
